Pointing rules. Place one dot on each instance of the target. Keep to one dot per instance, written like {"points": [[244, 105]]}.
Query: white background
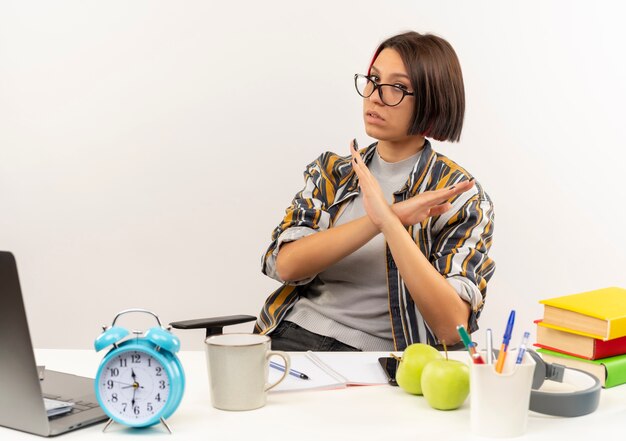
{"points": [[148, 148]]}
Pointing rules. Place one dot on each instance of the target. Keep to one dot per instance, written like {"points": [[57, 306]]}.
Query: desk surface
{"points": [[355, 413]]}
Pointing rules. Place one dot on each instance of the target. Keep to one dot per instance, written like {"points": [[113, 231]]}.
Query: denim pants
{"points": [[290, 337]]}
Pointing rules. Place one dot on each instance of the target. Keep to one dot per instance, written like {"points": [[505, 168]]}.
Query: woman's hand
{"points": [[410, 211], [377, 208], [428, 204]]}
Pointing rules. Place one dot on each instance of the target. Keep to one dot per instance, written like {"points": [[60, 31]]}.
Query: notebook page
{"points": [[358, 368], [319, 377], [331, 370]]}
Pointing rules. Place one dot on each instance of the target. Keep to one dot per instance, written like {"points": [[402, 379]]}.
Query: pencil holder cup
{"points": [[499, 402]]}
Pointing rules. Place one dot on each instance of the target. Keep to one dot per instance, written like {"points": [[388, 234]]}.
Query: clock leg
{"points": [[166, 426], [107, 424]]}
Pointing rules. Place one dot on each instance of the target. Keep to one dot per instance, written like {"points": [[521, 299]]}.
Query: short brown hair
{"points": [[436, 78]]}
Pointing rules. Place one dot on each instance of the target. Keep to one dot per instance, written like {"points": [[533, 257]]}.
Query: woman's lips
{"points": [[372, 117]]}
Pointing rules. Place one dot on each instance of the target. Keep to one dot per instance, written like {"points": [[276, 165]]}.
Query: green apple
{"points": [[445, 383], [414, 358]]}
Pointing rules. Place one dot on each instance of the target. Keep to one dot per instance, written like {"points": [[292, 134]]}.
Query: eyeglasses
{"points": [[390, 94]]}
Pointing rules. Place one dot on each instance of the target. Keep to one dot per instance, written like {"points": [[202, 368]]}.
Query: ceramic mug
{"points": [[238, 367]]}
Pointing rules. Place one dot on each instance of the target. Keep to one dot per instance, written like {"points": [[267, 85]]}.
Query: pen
{"points": [[489, 347], [469, 344], [293, 372], [522, 348], [505, 342]]}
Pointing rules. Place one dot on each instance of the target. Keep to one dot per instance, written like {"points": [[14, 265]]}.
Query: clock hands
{"points": [[135, 386]]}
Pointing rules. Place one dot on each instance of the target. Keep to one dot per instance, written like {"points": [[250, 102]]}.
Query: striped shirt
{"points": [[456, 243]]}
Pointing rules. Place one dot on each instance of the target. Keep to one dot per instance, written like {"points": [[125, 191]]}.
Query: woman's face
{"points": [[383, 122]]}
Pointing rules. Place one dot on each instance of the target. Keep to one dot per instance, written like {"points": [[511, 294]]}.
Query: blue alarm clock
{"points": [[140, 382]]}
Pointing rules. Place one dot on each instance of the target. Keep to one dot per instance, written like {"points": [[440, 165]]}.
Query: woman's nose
{"points": [[376, 98]]}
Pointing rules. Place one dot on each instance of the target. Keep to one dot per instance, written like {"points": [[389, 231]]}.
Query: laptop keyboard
{"points": [[79, 406]]}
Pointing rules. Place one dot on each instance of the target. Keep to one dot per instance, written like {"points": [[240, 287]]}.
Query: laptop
{"points": [[22, 405]]}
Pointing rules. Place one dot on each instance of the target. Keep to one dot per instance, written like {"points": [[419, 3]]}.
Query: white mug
{"points": [[238, 370]]}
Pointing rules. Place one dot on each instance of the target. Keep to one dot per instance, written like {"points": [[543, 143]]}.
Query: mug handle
{"points": [[287, 361]]}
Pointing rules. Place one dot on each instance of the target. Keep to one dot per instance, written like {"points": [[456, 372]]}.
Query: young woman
{"points": [[386, 246]]}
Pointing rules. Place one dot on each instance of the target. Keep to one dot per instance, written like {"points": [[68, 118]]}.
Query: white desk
{"points": [[356, 413]]}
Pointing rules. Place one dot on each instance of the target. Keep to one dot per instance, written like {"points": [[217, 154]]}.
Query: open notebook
{"points": [[330, 370]]}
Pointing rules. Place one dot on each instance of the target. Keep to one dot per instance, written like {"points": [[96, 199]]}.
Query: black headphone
{"points": [[583, 401]]}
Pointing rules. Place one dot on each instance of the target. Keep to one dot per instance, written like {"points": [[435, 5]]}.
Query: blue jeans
{"points": [[290, 337]]}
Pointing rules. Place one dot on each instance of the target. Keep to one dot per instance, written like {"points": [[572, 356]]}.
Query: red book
{"points": [[563, 340]]}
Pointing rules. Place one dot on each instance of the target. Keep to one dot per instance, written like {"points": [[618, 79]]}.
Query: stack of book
{"points": [[586, 331]]}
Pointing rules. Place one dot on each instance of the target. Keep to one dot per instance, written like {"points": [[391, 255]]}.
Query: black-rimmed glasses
{"points": [[390, 94]]}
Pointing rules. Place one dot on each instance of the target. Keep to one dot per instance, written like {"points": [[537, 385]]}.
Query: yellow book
{"points": [[600, 313]]}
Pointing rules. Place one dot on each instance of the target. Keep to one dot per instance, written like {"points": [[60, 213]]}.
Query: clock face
{"points": [[134, 386]]}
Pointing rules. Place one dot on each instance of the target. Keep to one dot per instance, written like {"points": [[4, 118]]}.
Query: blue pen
{"points": [[505, 342], [522, 348], [293, 372]]}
